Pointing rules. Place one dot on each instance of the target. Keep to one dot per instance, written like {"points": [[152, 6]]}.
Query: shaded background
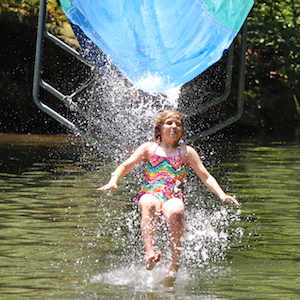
{"points": [[272, 78]]}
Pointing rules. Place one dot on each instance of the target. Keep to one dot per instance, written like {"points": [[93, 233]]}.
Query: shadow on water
{"points": [[60, 239]]}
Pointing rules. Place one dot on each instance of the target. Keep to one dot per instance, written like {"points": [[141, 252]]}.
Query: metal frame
{"points": [[67, 100], [224, 96], [38, 82]]}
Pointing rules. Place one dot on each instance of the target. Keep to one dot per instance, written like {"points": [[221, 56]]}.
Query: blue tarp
{"points": [[160, 44]]}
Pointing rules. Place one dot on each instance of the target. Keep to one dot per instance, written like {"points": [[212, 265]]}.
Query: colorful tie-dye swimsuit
{"points": [[164, 177]]}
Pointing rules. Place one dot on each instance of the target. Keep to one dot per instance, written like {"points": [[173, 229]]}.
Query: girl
{"points": [[162, 191]]}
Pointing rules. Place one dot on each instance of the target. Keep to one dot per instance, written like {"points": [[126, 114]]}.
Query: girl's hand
{"points": [[229, 199], [109, 186]]}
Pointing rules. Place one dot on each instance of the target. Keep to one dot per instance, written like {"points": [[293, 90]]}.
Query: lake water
{"points": [[61, 239]]}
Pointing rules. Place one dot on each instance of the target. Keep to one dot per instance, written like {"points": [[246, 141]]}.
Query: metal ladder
{"points": [[72, 106], [228, 84], [38, 82]]}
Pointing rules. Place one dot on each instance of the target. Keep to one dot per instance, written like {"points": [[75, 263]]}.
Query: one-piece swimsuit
{"points": [[164, 177]]}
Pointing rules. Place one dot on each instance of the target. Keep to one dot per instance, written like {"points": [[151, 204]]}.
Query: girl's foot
{"points": [[169, 279], [151, 260]]}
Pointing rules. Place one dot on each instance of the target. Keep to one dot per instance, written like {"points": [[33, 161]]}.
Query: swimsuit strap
{"points": [[179, 150], [155, 148]]}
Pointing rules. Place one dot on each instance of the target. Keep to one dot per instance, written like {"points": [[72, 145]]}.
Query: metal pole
{"points": [[241, 89], [37, 82], [226, 93]]}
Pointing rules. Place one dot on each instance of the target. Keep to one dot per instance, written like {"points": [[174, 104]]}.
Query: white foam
{"points": [[151, 83], [173, 96]]}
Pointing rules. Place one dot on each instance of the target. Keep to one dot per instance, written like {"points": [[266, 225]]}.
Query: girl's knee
{"points": [[150, 203], [176, 215], [173, 209]]}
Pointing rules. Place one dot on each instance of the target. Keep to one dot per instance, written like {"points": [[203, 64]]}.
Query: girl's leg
{"points": [[150, 207], [173, 210]]}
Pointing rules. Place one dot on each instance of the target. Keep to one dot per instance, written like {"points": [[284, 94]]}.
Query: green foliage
{"points": [[56, 22], [274, 34], [273, 56], [22, 7], [27, 8]]}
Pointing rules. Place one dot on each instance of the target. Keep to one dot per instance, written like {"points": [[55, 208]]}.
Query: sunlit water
{"points": [[119, 112], [61, 239]]}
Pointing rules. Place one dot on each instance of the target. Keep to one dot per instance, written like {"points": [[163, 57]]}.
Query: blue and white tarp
{"points": [[160, 44]]}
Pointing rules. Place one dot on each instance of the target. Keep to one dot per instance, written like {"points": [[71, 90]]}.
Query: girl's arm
{"points": [[195, 162], [139, 155]]}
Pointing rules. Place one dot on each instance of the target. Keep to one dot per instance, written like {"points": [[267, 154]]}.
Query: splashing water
{"points": [[121, 115], [208, 237], [125, 120]]}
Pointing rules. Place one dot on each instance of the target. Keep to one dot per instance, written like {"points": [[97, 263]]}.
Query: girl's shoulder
{"points": [[147, 148], [185, 149], [187, 152], [148, 145]]}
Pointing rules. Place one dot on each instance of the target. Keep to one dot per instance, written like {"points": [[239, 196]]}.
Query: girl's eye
{"points": [[170, 123]]}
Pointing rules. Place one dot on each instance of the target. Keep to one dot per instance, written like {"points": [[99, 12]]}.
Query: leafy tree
{"points": [[273, 61]]}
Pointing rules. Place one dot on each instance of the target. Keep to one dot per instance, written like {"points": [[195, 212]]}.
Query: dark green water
{"points": [[61, 239]]}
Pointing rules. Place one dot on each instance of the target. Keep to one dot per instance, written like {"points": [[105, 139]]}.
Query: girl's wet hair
{"points": [[160, 120]]}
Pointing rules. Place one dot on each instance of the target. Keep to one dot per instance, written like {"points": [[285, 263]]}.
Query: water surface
{"points": [[61, 239]]}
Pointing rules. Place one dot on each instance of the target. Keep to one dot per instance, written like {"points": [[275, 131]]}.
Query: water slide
{"points": [[159, 44]]}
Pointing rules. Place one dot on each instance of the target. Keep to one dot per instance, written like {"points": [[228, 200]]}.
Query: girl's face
{"points": [[172, 128]]}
